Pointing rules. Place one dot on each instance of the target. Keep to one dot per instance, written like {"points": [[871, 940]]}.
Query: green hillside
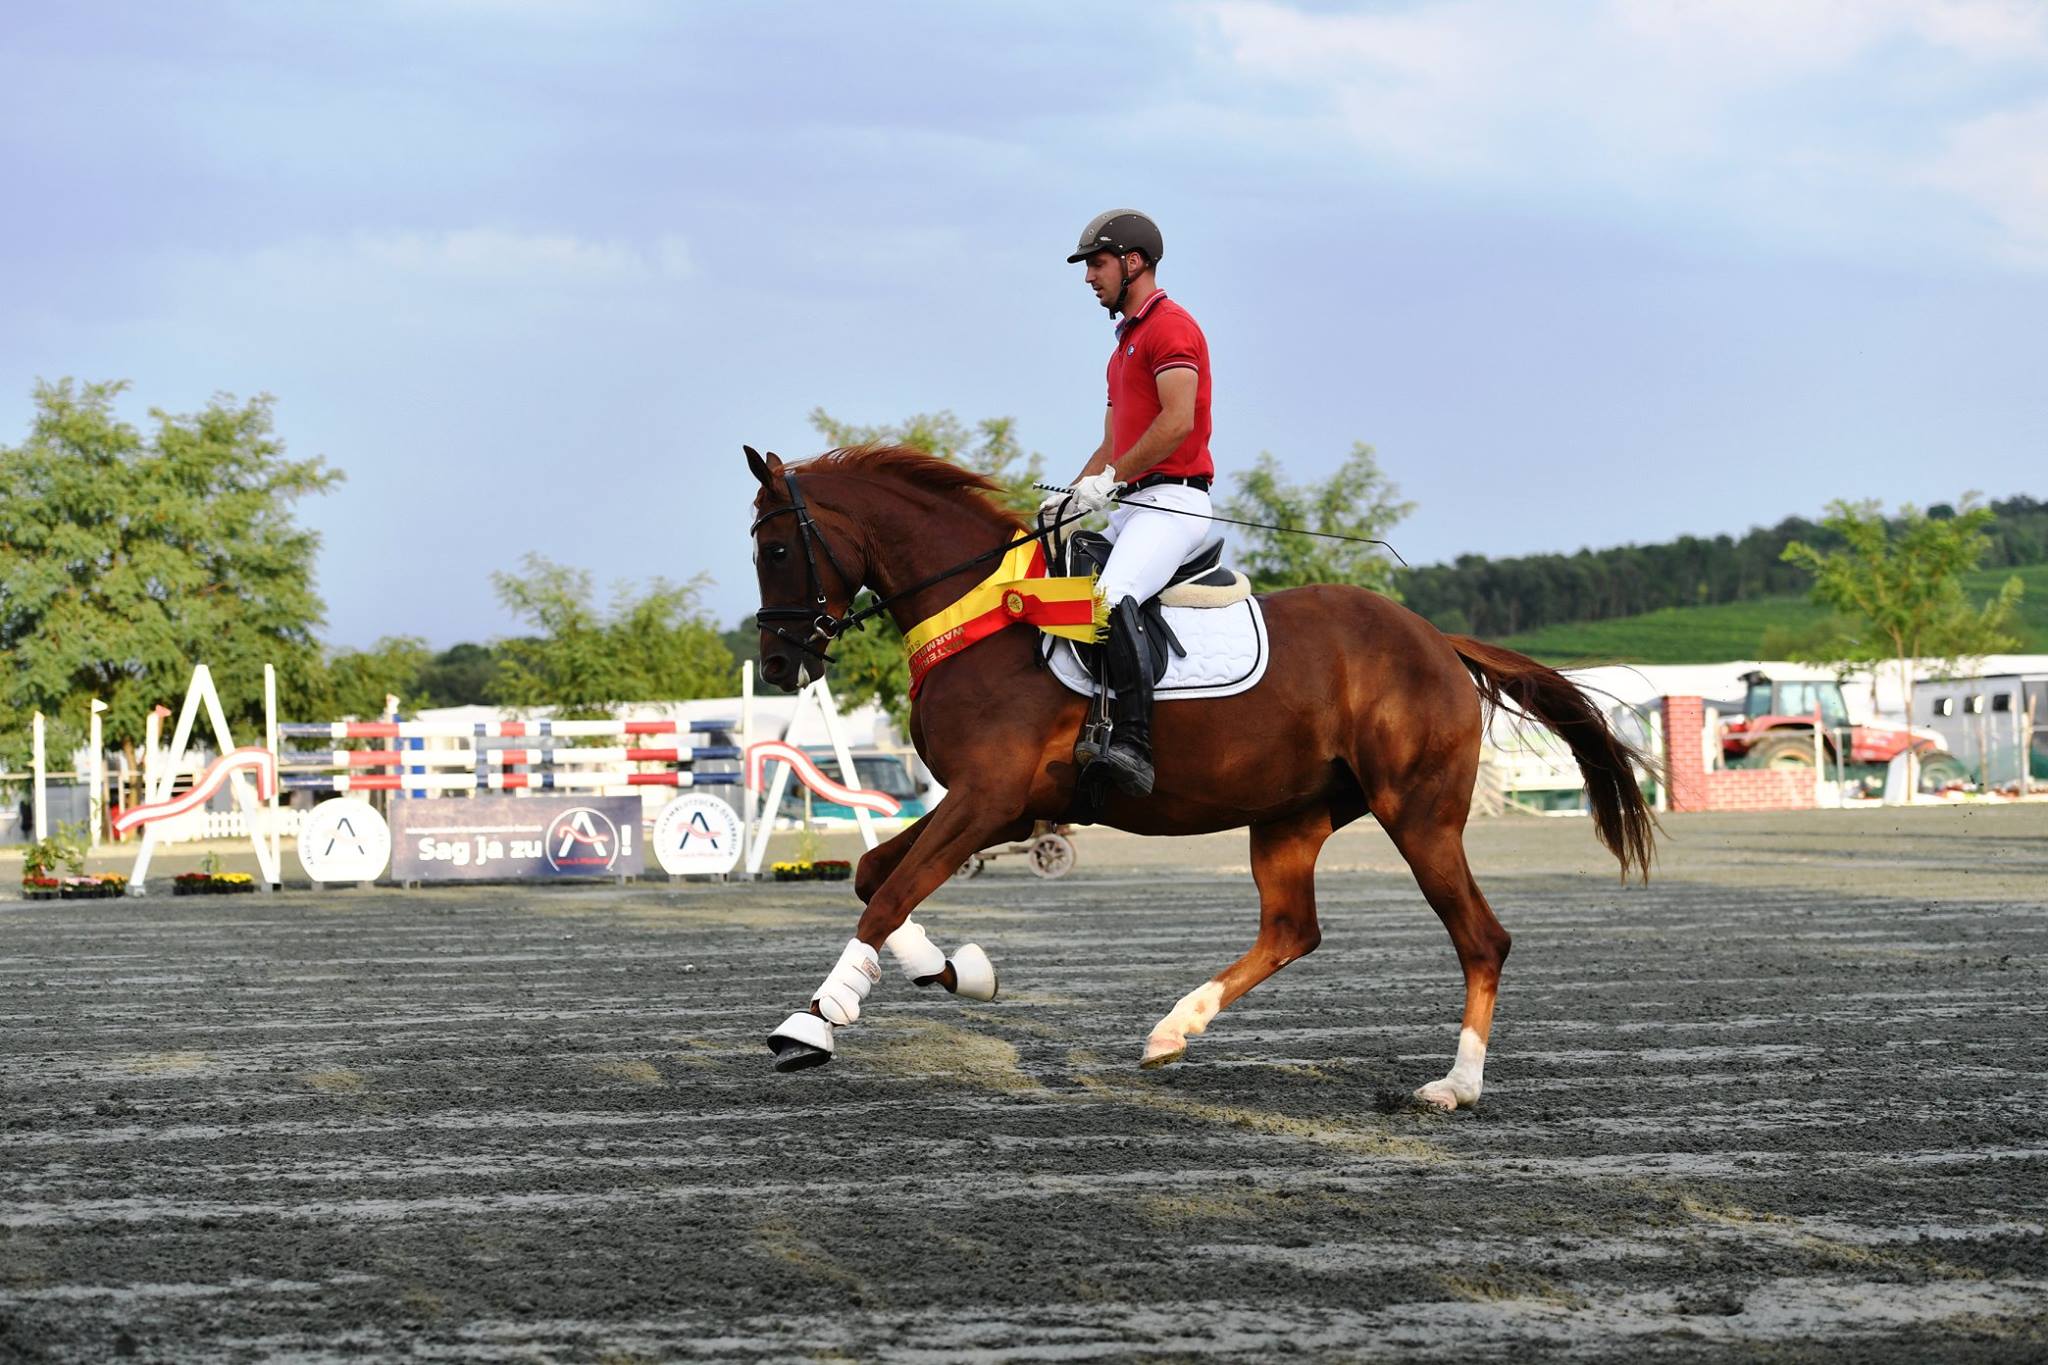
{"points": [[1735, 630]]}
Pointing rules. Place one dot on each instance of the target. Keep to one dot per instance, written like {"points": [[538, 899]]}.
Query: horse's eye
{"points": [[777, 553]]}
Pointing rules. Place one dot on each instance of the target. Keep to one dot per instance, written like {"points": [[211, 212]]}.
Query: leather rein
{"points": [[825, 627]]}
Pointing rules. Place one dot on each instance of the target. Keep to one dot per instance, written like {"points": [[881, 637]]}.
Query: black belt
{"points": [[1154, 480]]}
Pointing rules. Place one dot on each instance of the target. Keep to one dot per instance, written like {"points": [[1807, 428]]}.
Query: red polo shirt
{"points": [[1159, 337]]}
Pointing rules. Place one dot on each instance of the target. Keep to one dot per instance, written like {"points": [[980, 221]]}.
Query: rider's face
{"points": [[1105, 276]]}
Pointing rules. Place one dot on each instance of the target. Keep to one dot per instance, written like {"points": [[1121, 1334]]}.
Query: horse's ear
{"points": [[765, 470]]}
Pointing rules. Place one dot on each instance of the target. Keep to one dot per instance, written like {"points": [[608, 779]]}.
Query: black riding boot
{"points": [[1129, 755]]}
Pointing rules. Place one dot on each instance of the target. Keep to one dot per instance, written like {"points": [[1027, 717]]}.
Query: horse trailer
{"points": [[1997, 727]]}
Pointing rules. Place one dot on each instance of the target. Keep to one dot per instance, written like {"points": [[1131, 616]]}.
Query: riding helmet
{"points": [[1120, 231]]}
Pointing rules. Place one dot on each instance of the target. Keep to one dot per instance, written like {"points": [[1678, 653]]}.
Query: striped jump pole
{"points": [[500, 781], [495, 729], [493, 765], [502, 758]]}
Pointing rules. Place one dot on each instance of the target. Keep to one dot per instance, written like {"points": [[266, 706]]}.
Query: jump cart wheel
{"points": [[971, 868], [1052, 855]]}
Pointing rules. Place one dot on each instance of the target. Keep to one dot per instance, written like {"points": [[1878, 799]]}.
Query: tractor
{"points": [[1772, 727]]}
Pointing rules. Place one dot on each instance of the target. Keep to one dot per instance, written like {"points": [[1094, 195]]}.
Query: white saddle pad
{"points": [[1226, 653]]}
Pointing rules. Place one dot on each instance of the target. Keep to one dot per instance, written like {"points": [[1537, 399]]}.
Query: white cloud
{"points": [[1814, 117], [2000, 163], [491, 254], [1755, 40], [475, 282]]}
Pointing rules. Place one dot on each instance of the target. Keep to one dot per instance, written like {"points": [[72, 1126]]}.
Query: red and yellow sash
{"points": [[1018, 590]]}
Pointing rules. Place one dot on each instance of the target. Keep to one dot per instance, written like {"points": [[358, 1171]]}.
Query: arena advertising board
{"points": [[696, 836], [344, 840], [501, 838]]}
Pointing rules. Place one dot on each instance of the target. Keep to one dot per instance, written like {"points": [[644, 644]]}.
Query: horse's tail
{"points": [[1620, 814]]}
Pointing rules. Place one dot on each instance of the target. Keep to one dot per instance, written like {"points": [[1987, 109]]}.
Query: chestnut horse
{"points": [[1364, 708]]}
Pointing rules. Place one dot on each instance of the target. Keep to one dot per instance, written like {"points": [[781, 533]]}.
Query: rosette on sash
{"points": [[1017, 591]]}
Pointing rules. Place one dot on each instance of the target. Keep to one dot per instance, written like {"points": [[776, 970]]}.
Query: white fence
{"points": [[225, 824]]}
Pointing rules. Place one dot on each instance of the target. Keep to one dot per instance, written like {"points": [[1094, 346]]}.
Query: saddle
{"points": [[1200, 581]]}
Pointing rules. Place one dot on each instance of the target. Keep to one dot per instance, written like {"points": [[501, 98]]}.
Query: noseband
{"points": [[825, 627]]}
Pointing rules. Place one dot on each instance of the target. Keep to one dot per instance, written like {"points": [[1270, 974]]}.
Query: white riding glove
{"points": [[1094, 492]]}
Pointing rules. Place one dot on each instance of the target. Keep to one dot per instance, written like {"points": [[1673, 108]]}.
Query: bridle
{"points": [[825, 627]]}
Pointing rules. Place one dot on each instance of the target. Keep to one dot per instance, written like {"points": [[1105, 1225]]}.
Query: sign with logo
{"points": [[344, 840], [501, 838], [697, 836]]}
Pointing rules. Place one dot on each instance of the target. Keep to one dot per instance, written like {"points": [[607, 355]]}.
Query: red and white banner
{"points": [[812, 776], [261, 761]]}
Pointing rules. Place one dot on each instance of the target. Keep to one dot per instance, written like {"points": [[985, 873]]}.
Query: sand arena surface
{"points": [[1789, 1101]]}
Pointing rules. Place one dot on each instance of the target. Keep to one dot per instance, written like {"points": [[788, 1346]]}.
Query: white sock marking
{"points": [[1467, 1074], [1192, 1015]]}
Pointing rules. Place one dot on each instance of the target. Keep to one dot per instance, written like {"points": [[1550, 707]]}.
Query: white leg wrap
{"points": [[858, 970], [974, 976], [917, 955], [806, 1028]]}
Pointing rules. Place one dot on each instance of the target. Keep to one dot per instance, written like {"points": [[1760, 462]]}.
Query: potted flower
{"points": [[801, 870], [230, 883], [198, 883], [832, 870], [64, 848]]}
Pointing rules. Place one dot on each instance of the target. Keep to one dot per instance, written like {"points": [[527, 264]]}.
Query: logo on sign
{"points": [[344, 840], [583, 840], [697, 836]]}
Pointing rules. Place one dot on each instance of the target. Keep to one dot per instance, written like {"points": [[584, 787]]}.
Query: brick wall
{"points": [[1693, 787], [1759, 789]]}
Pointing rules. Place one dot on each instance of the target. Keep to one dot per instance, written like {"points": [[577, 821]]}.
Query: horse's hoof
{"points": [[797, 1056], [1443, 1095], [803, 1041], [1163, 1052], [974, 976]]}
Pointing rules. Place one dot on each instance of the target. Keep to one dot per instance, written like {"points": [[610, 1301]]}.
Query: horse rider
{"points": [[1155, 444]]}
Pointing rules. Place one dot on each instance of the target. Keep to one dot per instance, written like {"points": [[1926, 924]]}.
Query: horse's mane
{"points": [[905, 464]]}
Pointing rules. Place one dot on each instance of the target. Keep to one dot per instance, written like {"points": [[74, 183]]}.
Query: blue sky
{"points": [[531, 273]]}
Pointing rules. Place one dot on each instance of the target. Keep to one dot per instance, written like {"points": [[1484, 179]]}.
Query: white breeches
{"points": [[1150, 545]]}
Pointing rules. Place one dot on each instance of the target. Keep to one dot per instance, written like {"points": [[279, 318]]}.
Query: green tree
{"points": [[126, 557], [1358, 500], [358, 680], [653, 644], [991, 448], [867, 665], [1899, 587], [459, 676], [870, 664]]}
